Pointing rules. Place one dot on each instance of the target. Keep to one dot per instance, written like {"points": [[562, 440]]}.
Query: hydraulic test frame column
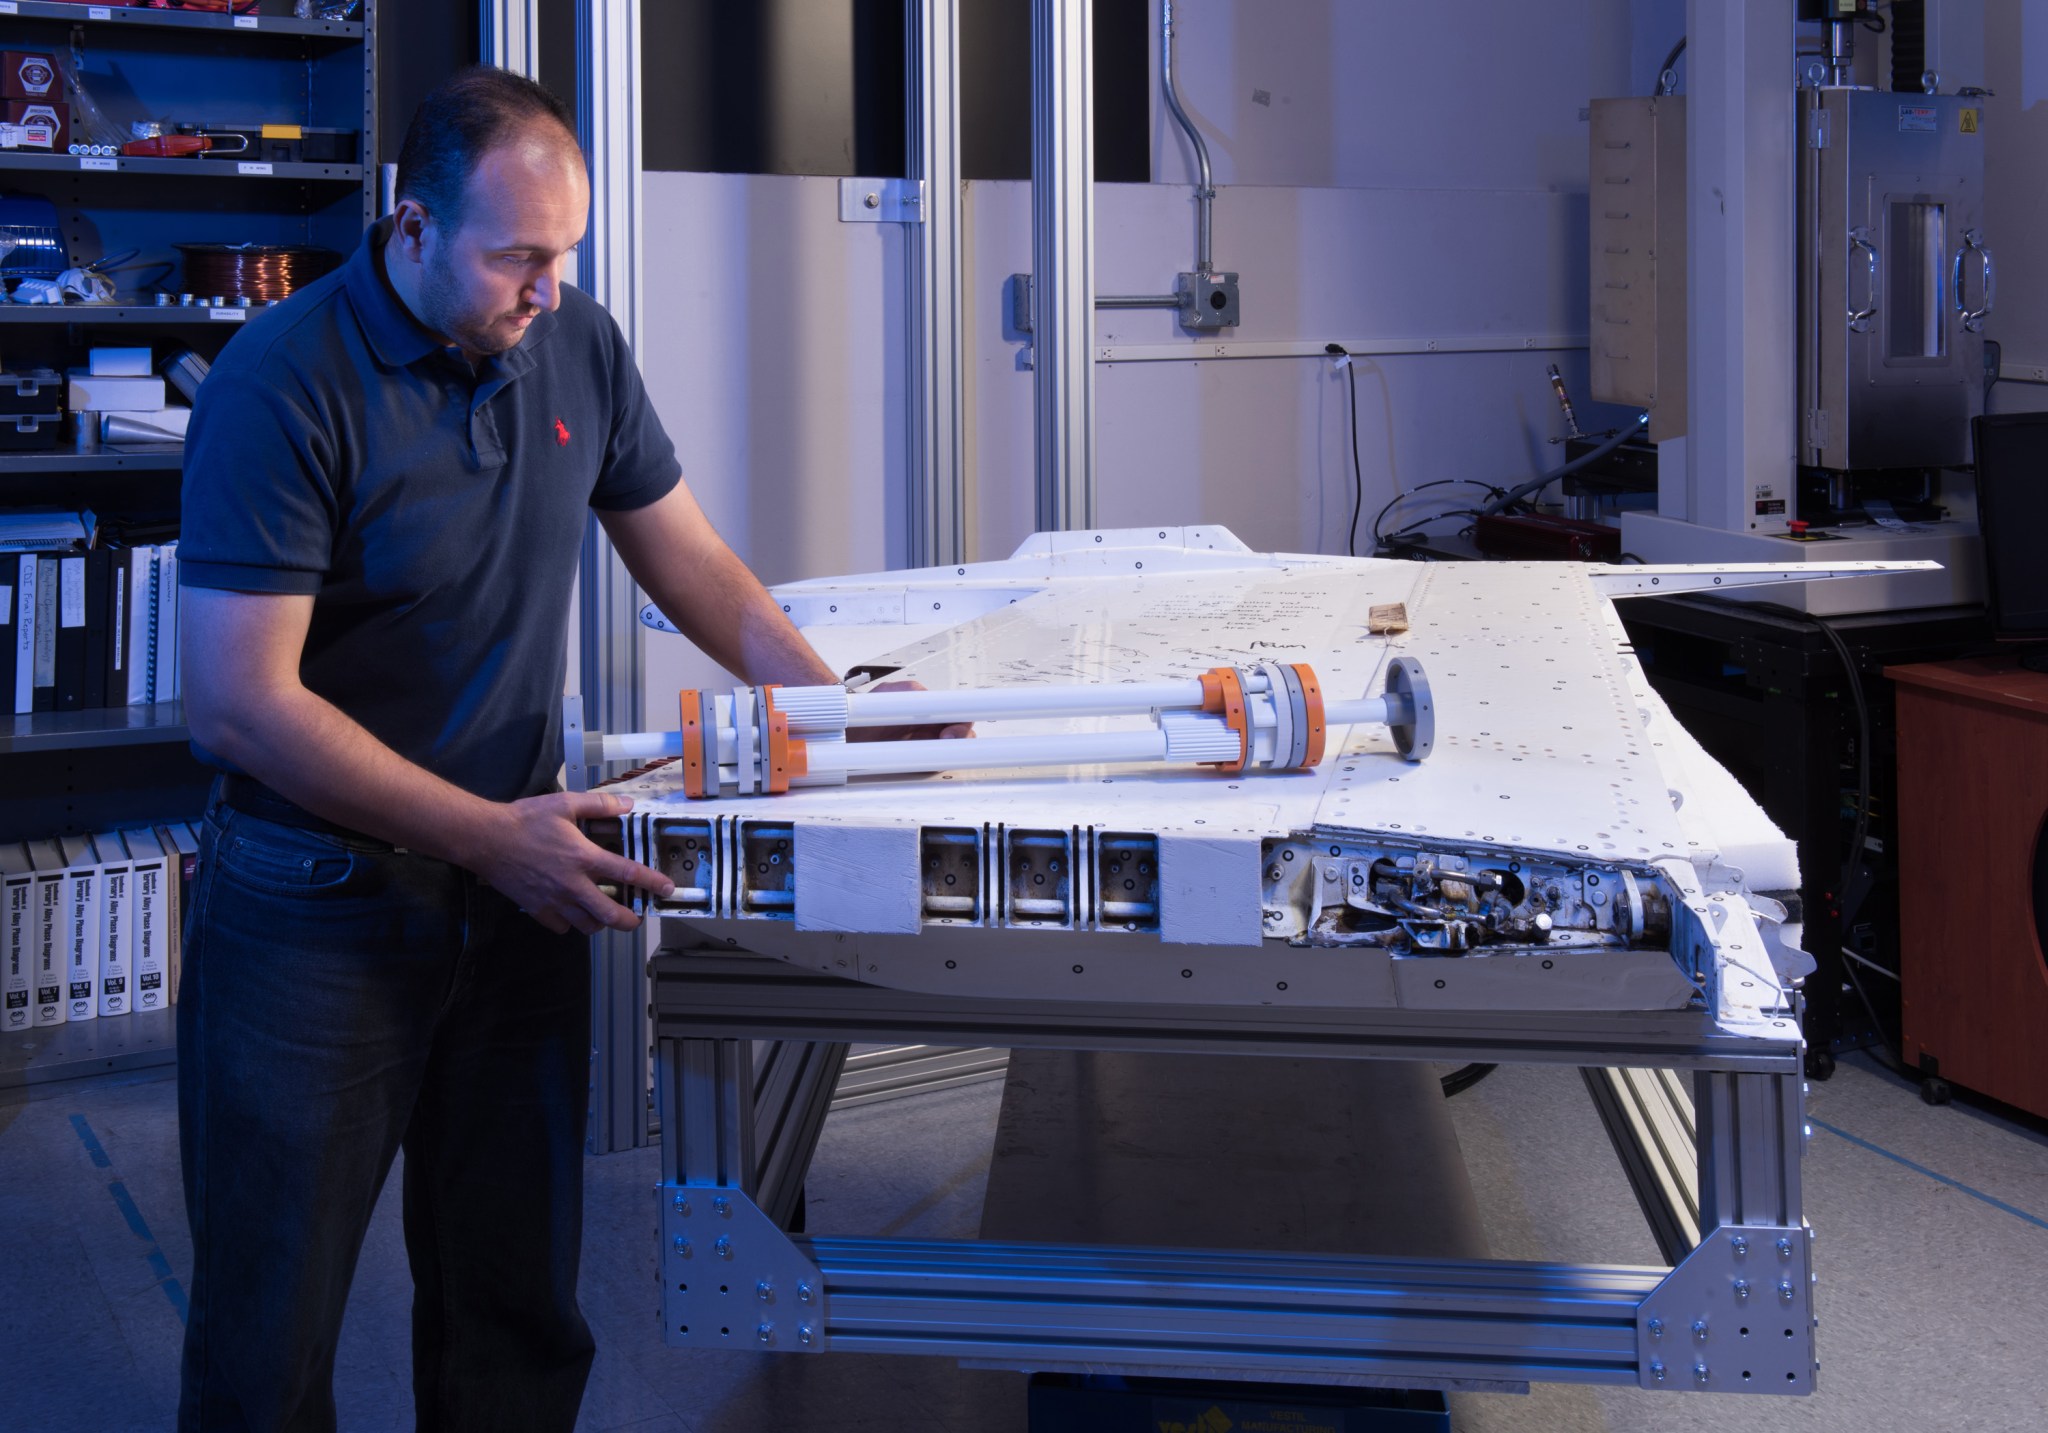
{"points": [[608, 116], [937, 349], [1742, 291], [511, 35], [1063, 260]]}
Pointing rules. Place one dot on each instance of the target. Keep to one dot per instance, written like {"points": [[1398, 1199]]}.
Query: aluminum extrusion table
{"points": [[1716, 1168]]}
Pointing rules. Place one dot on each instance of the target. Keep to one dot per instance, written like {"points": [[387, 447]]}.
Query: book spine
{"points": [[141, 566], [116, 944], [149, 916], [49, 948], [45, 695], [99, 576], [69, 669], [82, 973], [25, 634], [10, 567], [117, 630], [15, 976]]}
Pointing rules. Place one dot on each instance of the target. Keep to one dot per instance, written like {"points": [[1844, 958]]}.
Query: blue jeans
{"points": [[341, 1001]]}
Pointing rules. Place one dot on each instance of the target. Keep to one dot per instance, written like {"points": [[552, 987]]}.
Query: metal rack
{"points": [[1715, 1166], [73, 771]]}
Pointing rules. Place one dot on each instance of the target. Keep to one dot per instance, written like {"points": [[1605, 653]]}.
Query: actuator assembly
{"points": [[1269, 717]]}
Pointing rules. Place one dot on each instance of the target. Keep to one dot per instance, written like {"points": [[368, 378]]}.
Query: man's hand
{"points": [[537, 856], [908, 733]]}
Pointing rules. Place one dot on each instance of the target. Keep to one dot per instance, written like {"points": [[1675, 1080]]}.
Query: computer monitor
{"points": [[2012, 513]]}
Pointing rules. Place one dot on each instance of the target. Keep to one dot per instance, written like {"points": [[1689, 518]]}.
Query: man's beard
{"points": [[440, 310]]}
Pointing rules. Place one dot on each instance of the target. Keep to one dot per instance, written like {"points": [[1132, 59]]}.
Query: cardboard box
{"points": [[56, 114], [30, 75], [92, 394], [118, 363]]}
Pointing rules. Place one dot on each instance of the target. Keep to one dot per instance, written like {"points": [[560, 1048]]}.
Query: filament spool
{"points": [[260, 273]]}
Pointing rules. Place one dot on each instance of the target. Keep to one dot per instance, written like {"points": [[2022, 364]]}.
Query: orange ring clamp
{"points": [[1312, 698], [691, 710], [1223, 692], [785, 758]]}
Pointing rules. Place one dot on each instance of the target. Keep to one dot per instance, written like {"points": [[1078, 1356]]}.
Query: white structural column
{"points": [[1742, 281], [608, 116], [510, 36], [938, 520], [1063, 259]]}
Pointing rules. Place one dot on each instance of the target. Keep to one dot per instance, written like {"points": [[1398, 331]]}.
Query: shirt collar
{"points": [[398, 338]]}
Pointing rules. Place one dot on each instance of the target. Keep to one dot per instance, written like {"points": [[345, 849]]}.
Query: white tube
{"points": [[1365, 709], [648, 745], [998, 703], [874, 758]]}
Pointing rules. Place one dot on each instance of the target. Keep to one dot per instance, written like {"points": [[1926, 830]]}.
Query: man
{"points": [[386, 487]]}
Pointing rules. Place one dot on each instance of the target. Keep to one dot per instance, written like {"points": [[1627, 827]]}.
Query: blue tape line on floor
{"points": [[2017, 1213], [125, 1202]]}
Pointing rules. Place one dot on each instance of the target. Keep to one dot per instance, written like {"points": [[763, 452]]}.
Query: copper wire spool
{"points": [[256, 272]]}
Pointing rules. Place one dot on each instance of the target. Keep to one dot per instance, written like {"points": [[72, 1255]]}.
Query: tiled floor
{"points": [[1932, 1255]]}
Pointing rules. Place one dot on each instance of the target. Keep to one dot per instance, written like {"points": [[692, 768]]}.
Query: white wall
{"points": [[1419, 174], [2015, 199], [1480, 94]]}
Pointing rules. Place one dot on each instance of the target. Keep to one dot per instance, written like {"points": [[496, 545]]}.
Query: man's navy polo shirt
{"points": [[435, 513]]}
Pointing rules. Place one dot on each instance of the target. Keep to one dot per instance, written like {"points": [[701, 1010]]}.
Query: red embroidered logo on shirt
{"points": [[561, 433]]}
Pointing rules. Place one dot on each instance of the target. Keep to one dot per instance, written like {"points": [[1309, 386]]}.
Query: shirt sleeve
{"points": [[259, 504], [639, 460]]}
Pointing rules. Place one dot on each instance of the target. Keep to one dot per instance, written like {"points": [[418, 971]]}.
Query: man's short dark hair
{"points": [[458, 124]]}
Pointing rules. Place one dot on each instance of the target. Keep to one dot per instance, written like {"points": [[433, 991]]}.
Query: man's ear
{"points": [[409, 225]]}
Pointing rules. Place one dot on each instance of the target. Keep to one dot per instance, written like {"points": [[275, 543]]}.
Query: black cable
{"points": [[1670, 60], [1357, 468], [1378, 540], [1854, 882], [1464, 1078], [1590, 456]]}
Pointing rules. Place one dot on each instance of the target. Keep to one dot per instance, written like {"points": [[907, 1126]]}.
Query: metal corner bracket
{"points": [[881, 201]]}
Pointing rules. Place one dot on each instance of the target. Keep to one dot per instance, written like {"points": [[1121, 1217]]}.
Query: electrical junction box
{"points": [[1207, 300]]}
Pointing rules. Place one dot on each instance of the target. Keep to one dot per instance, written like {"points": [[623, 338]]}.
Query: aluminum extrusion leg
{"points": [[791, 1098], [1649, 1121]]}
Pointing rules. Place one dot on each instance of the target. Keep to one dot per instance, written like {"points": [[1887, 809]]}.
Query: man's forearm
{"points": [[304, 748], [739, 625]]}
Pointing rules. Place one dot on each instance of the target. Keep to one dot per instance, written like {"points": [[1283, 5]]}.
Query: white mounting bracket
{"points": [[881, 201]]}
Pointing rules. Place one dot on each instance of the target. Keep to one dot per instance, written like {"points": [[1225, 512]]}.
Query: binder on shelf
{"points": [[114, 680], [164, 638], [43, 697], [82, 929], [117, 942], [69, 666], [25, 634], [150, 916], [10, 567], [141, 563], [47, 975], [99, 565], [18, 897]]}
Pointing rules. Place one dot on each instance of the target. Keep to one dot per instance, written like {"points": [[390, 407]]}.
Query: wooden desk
{"points": [[1973, 800]]}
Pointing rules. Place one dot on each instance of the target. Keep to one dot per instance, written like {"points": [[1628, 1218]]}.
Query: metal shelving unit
{"points": [[74, 771], [50, 732], [90, 1047], [148, 460], [181, 168], [122, 15], [107, 315]]}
